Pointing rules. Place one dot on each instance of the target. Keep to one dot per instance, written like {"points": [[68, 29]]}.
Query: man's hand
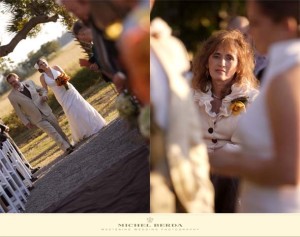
{"points": [[6, 129], [84, 63], [44, 98], [30, 125], [119, 79], [94, 67]]}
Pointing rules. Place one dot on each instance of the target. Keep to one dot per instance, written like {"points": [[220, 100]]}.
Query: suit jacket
{"points": [[30, 110], [105, 51]]}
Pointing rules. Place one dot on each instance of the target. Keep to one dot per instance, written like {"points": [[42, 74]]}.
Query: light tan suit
{"points": [[38, 112]]}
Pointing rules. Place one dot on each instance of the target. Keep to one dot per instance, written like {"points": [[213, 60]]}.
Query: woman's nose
{"points": [[222, 62]]}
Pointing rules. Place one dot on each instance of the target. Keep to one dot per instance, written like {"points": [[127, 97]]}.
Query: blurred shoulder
{"points": [[288, 81], [29, 82]]}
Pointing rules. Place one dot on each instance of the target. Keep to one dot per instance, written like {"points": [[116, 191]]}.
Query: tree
{"points": [[3, 68], [26, 17]]}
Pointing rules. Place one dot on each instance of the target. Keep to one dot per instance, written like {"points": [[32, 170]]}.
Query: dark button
{"points": [[214, 140], [210, 130]]}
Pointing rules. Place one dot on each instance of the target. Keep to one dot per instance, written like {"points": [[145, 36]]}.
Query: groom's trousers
{"points": [[49, 125]]}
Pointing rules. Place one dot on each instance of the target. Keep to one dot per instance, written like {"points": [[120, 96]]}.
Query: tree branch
{"points": [[22, 34]]}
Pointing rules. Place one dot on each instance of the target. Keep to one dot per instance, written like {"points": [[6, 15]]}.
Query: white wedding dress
{"points": [[257, 139], [83, 119]]}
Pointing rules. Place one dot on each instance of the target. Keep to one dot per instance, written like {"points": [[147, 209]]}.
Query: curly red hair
{"points": [[229, 40]]}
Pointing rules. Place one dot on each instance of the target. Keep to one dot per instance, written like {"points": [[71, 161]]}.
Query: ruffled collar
{"points": [[237, 91]]}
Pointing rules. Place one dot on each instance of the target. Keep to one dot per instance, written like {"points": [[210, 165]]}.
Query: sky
{"points": [[49, 32]]}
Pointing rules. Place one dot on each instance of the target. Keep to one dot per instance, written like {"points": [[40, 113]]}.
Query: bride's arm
{"points": [[44, 88]]}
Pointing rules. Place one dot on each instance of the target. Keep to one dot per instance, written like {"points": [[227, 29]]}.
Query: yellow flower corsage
{"points": [[238, 105]]}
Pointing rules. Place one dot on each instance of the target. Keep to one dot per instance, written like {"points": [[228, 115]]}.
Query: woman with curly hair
{"points": [[224, 86]]}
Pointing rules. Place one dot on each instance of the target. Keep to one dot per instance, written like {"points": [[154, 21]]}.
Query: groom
{"points": [[29, 102]]}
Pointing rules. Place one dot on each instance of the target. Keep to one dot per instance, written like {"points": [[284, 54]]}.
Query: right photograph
{"points": [[225, 106]]}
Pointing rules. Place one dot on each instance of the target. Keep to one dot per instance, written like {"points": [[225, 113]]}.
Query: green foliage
{"points": [[85, 78], [3, 85], [194, 21], [24, 10], [49, 47], [26, 69], [14, 123], [4, 69], [45, 50]]}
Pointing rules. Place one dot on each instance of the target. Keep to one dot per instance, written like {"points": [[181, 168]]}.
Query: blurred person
{"points": [[268, 163], [80, 8], [179, 177], [135, 51], [241, 24], [84, 34], [224, 87], [83, 119], [29, 103], [128, 23], [105, 48]]}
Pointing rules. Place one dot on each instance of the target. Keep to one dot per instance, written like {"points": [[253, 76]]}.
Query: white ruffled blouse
{"points": [[219, 129]]}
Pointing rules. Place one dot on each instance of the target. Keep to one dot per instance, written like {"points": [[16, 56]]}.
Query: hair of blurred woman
{"points": [[267, 17], [82, 32], [278, 11], [228, 40]]}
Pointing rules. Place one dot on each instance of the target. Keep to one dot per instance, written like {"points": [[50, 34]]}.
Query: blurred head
{"points": [[82, 32], [241, 24], [273, 21], [80, 8], [13, 80], [225, 56], [151, 4], [105, 13], [41, 65]]}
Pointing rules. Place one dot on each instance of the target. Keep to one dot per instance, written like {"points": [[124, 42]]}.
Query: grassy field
{"points": [[37, 147], [40, 150]]}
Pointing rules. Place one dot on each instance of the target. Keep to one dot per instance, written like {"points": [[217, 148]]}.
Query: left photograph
{"points": [[74, 106]]}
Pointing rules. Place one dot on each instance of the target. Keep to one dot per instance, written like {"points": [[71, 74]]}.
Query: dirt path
{"points": [[109, 172]]}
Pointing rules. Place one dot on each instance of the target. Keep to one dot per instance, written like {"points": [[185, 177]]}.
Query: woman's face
{"points": [[222, 64], [42, 64], [262, 29], [85, 35]]}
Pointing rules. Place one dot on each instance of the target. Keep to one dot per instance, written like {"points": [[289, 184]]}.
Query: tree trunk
{"points": [[22, 34]]}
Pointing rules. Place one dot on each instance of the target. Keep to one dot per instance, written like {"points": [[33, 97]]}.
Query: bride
{"points": [[83, 119]]}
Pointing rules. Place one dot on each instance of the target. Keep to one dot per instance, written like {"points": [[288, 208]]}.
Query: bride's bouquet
{"points": [[62, 80]]}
